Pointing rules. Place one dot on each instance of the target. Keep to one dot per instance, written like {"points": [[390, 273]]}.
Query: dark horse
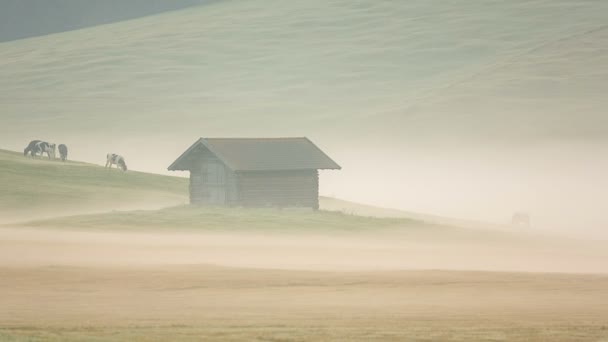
{"points": [[63, 152], [31, 148], [38, 146]]}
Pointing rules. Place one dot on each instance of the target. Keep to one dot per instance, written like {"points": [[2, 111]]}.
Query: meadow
{"points": [[33, 188]]}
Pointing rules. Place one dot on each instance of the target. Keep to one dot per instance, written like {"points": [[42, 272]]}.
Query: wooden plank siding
{"points": [[299, 188], [196, 187], [211, 182]]}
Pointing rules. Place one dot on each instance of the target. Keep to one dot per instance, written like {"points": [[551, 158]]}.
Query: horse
{"points": [[63, 152], [42, 147], [521, 219], [30, 147], [119, 161], [45, 147]]}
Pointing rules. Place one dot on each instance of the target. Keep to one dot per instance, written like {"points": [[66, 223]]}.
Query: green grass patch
{"points": [[227, 219], [29, 184]]}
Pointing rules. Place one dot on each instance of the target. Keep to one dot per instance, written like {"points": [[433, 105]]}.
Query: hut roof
{"points": [[261, 154]]}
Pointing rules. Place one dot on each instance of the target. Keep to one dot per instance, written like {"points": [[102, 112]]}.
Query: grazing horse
{"points": [[521, 219], [30, 147], [63, 152], [45, 147], [42, 147], [119, 161]]}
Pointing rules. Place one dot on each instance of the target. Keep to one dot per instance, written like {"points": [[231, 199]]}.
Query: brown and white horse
{"points": [[38, 146], [115, 159]]}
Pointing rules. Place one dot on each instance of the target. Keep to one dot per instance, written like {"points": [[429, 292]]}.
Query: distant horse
{"points": [[63, 152], [42, 147], [521, 219], [30, 147], [117, 160], [45, 147]]}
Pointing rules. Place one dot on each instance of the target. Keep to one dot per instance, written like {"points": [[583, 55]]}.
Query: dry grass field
{"points": [[198, 302], [62, 285], [204, 302]]}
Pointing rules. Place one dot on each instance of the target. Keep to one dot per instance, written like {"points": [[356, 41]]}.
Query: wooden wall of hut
{"points": [[211, 182], [278, 188]]}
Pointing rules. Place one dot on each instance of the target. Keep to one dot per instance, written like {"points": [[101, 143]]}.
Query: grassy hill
{"points": [[35, 188], [333, 69], [417, 87], [226, 220]]}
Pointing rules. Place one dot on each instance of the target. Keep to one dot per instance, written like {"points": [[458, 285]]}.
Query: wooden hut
{"points": [[254, 172]]}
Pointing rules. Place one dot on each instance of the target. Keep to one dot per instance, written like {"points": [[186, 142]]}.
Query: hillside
{"points": [[308, 65], [358, 209], [40, 188], [338, 69], [242, 220], [397, 92]]}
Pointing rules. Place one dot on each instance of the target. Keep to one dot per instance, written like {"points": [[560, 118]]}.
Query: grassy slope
{"points": [[370, 222], [352, 208], [38, 190], [225, 220], [51, 188], [380, 79], [336, 69], [36, 187]]}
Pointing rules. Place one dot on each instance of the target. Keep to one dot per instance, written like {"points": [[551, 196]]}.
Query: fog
{"points": [[124, 287], [414, 250], [561, 185]]}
